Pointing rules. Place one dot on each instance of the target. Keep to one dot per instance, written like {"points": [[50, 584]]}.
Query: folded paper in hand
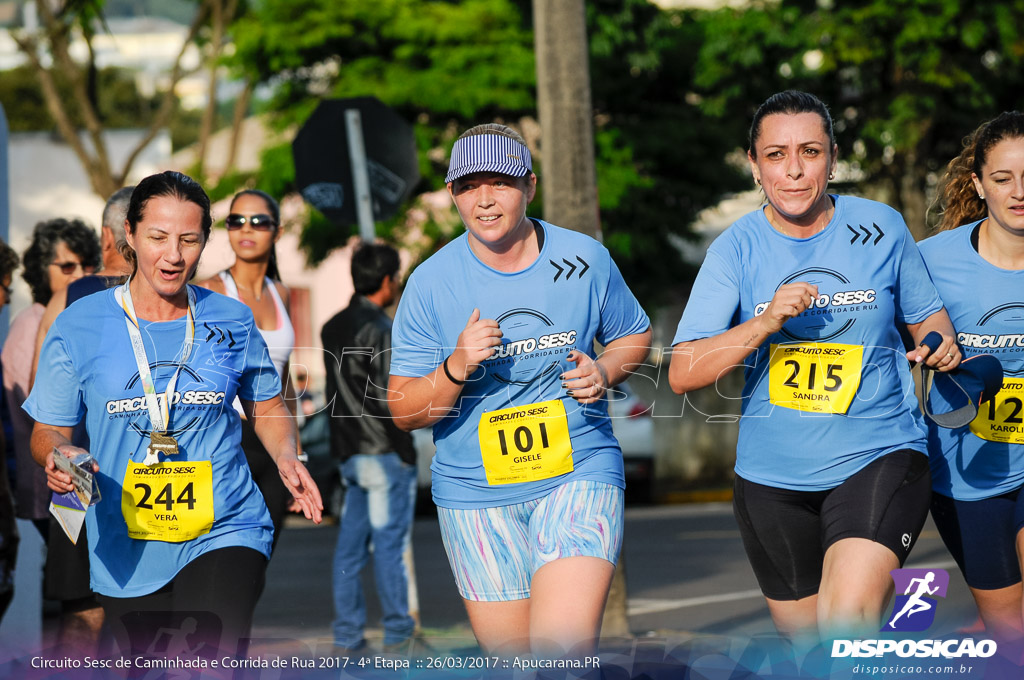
{"points": [[69, 508]]}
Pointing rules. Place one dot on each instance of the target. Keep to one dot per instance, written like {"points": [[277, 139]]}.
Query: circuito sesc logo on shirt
{"points": [[532, 347], [832, 313]]}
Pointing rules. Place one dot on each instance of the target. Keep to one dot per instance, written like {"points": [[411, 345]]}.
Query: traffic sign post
{"points": [[360, 176], [356, 162]]}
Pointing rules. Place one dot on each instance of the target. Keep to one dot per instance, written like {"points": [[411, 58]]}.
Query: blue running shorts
{"points": [[494, 552]]}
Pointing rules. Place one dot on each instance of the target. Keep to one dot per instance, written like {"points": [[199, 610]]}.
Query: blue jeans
{"points": [[380, 492]]}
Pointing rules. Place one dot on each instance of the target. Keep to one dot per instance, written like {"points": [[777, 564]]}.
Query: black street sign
{"points": [[323, 169]]}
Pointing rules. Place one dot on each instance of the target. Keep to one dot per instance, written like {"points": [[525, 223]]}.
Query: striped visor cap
{"points": [[489, 153]]}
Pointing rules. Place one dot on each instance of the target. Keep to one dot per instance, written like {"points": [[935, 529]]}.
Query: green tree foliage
{"points": [[439, 64], [906, 79], [660, 157], [447, 65]]}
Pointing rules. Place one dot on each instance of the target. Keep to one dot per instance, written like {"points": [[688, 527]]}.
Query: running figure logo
{"points": [[914, 610]]}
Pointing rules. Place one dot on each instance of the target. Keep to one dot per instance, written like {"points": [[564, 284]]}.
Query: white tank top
{"points": [[281, 340]]}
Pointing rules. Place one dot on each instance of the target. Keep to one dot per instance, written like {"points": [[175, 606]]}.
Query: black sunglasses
{"points": [[260, 222], [67, 268]]}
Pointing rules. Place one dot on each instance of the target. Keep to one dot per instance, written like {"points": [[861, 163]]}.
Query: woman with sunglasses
{"points": [[253, 228], [61, 251]]}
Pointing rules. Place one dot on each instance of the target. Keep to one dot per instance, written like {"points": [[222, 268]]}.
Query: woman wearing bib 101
{"points": [[831, 483], [181, 536], [493, 346], [977, 263]]}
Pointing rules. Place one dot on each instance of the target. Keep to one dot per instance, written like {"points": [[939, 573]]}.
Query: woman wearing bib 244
{"points": [[977, 263], [181, 536], [493, 346], [831, 480]]}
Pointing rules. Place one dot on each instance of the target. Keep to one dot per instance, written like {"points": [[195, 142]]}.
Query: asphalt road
{"points": [[686, 576]]}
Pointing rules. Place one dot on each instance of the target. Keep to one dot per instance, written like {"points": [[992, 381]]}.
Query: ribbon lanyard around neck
{"points": [[159, 414]]}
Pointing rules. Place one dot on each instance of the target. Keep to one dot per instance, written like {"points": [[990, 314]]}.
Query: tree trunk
{"points": [[913, 202], [566, 115], [570, 181], [237, 118], [206, 125], [616, 618], [53, 37]]}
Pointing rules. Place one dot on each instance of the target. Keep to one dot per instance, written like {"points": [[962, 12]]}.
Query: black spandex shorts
{"points": [[982, 537], [786, 533], [206, 610], [66, 570]]}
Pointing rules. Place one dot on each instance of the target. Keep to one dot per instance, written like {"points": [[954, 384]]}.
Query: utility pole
{"points": [[570, 180]]}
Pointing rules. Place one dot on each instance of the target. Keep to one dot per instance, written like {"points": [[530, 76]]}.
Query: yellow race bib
{"points": [[1002, 418], [525, 443], [818, 377], [170, 502]]}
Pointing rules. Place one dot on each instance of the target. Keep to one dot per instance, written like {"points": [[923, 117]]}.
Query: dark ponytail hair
{"points": [[167, 183], [790, 102]]}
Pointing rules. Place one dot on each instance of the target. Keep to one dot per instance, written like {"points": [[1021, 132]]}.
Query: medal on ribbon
{"points": [[160, 442]]}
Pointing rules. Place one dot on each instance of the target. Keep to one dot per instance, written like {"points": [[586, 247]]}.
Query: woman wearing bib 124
{"points": [[493, 346], [831, 483], [180, 539], [977, 263]]}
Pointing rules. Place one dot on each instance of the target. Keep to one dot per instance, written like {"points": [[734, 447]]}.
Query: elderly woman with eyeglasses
{"points": [[61, 251], [254, 226]]}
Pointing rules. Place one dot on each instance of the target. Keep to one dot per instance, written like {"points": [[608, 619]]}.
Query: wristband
{"points": [[449, 373]]}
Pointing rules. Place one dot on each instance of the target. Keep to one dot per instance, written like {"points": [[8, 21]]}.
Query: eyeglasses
{"points": [[260, 222], [67, 268]]}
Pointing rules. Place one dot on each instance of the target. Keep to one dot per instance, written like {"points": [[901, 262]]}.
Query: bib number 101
{"points": [[523, 438]]}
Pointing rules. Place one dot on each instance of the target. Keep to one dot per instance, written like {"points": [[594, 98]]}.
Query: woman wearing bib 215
{"points": [[831, 480], [977, 263], [493, 346], [181, 530]]}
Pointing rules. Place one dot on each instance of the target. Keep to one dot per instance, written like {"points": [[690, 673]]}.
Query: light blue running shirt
{"points": [[869, 275], [87, 366], [986, 305], [571, 295]]}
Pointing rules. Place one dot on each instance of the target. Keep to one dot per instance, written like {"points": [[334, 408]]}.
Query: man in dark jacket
{"points": [[378, 461]]}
